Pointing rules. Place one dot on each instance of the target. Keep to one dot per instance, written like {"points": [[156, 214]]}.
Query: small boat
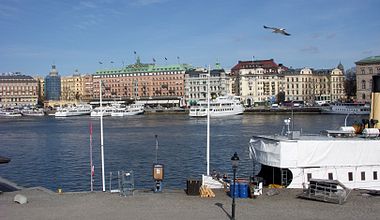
{"points": [[82, 109], [221, 106], [10, 113], [348, 108], [33, 112], [133, 109]]}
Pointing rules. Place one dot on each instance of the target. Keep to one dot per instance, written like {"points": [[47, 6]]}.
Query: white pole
{"points": [[101, 137], [208, 122], [92, 169]]}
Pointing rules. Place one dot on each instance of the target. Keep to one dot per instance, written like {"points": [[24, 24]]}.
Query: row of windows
{"points": [[349, 175], [139, 74]]}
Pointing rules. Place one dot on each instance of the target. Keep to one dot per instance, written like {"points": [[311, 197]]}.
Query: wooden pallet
{"points": [[206, 192]]}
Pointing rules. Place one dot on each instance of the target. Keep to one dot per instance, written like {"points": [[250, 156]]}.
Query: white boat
{"points": [[221, 106], [33, 112], [133, 109], [349, 155], [82, 109], [348, 108], [9, 113], [107, 110]]}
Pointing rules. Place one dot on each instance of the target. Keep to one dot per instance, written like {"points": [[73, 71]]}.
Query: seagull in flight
{"points": [[278, 30]]}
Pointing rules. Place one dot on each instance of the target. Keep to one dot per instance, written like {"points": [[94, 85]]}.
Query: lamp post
{"points": [[235, 163], [101, 136]]}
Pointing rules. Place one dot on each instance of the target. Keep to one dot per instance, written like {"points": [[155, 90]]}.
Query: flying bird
{"points": [[278, 30]]}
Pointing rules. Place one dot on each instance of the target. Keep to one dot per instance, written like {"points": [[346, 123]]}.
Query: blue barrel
{"points": [[235, 190], [243, 190]]}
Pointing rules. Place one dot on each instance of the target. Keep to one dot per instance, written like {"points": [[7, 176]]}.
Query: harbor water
{"points": [[54, 153]]}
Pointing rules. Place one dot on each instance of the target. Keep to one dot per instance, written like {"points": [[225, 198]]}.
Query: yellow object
{"points": [[60, 191], [206, 192], [276, 186]]}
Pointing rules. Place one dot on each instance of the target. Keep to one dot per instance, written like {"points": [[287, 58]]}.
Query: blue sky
{"points": [[75, 34]]}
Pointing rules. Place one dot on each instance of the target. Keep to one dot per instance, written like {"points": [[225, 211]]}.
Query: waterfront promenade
{"points": [[45, 204]]}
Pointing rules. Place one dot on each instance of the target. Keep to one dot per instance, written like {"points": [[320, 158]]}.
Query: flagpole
{"points": [[208, 122], [156, 147], [92, 166], [101, 137]]}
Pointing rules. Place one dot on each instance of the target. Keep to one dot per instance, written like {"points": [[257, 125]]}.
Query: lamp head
{"points": [[235, 161]]}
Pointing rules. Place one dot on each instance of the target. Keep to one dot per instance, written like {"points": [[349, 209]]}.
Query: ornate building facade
{"points": [[196, 84], [18, 90], [141, 81], [365, 69], [72, 87]]}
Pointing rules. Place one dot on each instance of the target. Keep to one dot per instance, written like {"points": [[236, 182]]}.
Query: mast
{"points": [[208, 122], [101, 136]]}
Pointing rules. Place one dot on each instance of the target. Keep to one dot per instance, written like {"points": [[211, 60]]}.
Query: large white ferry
{"points": [[348, 155], [133, 109], [221, 106], [106, 110], [348, 108], [82, 109]]}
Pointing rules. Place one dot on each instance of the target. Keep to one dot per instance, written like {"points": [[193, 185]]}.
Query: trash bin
{"points": [[192, 187], [243, 189], [234, 190]]}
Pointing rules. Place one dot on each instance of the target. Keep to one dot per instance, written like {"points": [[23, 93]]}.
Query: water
{"points": [[54, 153]]}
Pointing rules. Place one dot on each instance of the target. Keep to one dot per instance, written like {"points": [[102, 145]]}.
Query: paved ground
{"points": [[44, 204]]}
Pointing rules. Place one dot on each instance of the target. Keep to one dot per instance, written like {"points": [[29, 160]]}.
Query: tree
{"points": [[350, 83]]}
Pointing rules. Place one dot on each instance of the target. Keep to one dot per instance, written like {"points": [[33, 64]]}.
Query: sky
{"points": [[79, 34]]}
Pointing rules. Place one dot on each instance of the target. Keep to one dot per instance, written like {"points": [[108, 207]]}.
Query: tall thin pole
{"points": [[208, 122], [101, 137], [91, 164], [233, 195], [156, 147]]}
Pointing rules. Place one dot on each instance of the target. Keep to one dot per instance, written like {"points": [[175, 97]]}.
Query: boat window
{"points": [[363, 175], [374, 175], [330, 176], [309, 177], [350, 176]]}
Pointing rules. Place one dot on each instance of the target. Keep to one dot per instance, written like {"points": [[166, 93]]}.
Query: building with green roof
{"points": [[142, 81], [365, 69]]}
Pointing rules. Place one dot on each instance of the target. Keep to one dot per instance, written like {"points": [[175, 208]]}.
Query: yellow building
{"points": [[72, 87]]}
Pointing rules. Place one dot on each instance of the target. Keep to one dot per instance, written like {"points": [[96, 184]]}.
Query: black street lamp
{"points": [[235, 163]]}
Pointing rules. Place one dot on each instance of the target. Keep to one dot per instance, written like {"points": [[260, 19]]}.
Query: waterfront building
{"points": [[53, 85], [87, 88], [72, 87], [196, 84], [258, 81], [309, 85], [263, 81], [143, 81], [365, 69], [17, 90]]}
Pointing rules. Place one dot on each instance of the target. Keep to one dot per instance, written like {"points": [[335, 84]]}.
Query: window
{"points": [[363, 176], [374, 175], [363, 84], [330, 176], [350, 177], [309, 177]]}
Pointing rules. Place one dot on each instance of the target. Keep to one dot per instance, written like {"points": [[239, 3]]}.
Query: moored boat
{"points": [[33, 112], [347, 155], [82, 109], [221, 106], [348, 108], [10, 113], [133, 109]]}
